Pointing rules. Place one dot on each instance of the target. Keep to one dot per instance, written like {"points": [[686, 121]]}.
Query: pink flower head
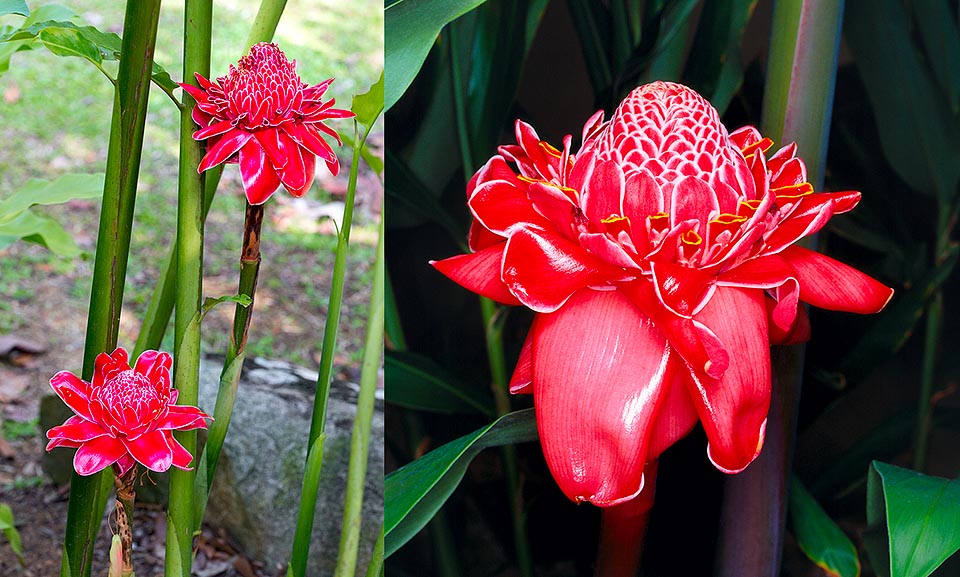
{"points": [[125, 415], [261, 115], [660, 261]]}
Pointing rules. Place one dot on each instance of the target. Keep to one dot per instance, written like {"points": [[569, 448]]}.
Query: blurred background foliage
{"points": [[875, 388]]}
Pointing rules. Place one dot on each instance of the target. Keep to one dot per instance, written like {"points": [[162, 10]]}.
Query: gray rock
{"points": [[256, 492]]}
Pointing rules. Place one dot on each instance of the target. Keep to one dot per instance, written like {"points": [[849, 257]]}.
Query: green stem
{"points": [[311, 475], [924, 408], [494, 338], [360, 438], [232, 365], [125, 499], [161, 300], [376, 561], [198, 20], [88, 495]]}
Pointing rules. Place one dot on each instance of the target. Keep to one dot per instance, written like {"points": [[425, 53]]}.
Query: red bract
{"points": [[659, 258], [125, 415], [261, 115]]}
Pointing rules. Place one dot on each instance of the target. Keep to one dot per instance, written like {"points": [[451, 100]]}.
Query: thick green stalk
{"points": [[88, 495], [924, 410], [198, 19], [311, 475], [494, 336], [360, 437], [798, 101]]}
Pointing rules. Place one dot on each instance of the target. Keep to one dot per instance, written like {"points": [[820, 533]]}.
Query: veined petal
{"points": [[97, 455], [480, 238], [692, 199], [308, 137], [479, 272], [681, 289], [521, 383], [151, 450], [269, 139], [676, 416], [603, 194], [181, 456], [830, 284], [797, 332], [599, 369], [182, 418], [228, 145], [74, 392], [811, 213], [733, 408], [768, 272], [213, 130], [499, 205], [76, 430], [543, 269], [260, 179]]}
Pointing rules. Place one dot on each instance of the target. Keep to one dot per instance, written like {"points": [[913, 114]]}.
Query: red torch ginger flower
{"points": [[660, 261], [261, 115], [125, 415]]}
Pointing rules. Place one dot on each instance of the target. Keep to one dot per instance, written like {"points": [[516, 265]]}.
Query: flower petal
{"points": [[676, 415], [74, 392], [151, 450], [76, 430], [543, 269], [260, 179], [733, 408], [228, 145], [182, 418], [830, 284], [215, 129], [521, 383], [97, 455], [307, 136], [500, 205], [599, 366], [681, 289], [181, 456], [768, 272], [479, 272]]}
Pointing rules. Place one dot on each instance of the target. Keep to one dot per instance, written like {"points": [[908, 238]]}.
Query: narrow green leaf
{"points": [[14, 7], [590, 18], [62, 189], [411, 28], [819, 537], [40, 229], [10, 530], [369, 105], [415, 492], [919, 134], [417, 382], [408, 193], [210, 302], [922, 517]]}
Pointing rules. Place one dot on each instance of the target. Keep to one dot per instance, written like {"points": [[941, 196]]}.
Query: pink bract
{"points": [[660, 259], [125, 415], [264, 117]]}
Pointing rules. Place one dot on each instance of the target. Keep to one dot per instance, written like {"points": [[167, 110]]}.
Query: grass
{"points": [[56, 120]]}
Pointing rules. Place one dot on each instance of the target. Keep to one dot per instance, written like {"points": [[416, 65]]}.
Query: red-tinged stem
{"points": [[125, 500], [622, 531]]}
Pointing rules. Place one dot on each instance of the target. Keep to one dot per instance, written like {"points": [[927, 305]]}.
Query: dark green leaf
{"points": [[819, 537], [415, 492], [941, 38], [417, 382], [921, 514], [919, 134], [67, 42], [406, 192], [210, 302], [896, 323], [14, 7], [369, 105], [411, 28], [591, 21], [64, 188], [10, 530]]}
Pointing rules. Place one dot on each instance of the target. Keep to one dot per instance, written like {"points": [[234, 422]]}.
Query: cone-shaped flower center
{"points": [[128, 389], [263, 89]]}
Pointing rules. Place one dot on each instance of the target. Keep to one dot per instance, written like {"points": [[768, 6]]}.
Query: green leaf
{"points": [[14, 7], [62, 189], [411, 28], [39, 229], [919, 134], [941, 38], [210, 302], [417, 382], [414, 493], [819, 537], [406, 192], [921, 514], [10, 530], [69, 42], [369, 105]]}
